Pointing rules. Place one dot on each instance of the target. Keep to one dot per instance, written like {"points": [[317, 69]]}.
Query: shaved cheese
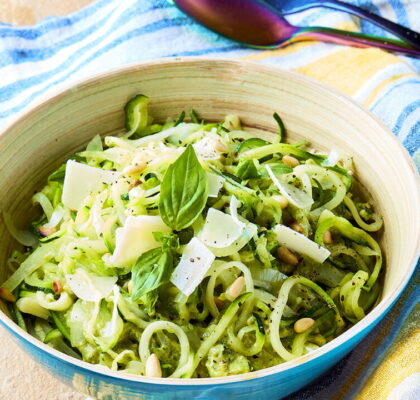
{"points": [[247, 234], [204, 149], [332, 159], [215, 183], [89, 287], [196, 260], [81, 180], [233, 206], [300, 243], [220, 230], [111, 326], [295, 196], [135, 238]]}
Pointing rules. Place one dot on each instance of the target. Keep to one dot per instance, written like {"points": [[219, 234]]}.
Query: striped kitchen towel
{"points": [[111, 33]]}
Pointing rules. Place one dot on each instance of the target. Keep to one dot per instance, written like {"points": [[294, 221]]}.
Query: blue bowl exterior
{"points": [[272, 387]]}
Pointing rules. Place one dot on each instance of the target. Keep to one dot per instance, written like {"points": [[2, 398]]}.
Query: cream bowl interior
{"points": [[44, 137]]}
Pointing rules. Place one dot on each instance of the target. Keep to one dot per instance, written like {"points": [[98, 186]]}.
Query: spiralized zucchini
{"points": [[195, 250]]}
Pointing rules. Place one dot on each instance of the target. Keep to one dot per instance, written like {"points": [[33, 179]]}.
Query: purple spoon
{"points": [[294, 6], [257, 24]]}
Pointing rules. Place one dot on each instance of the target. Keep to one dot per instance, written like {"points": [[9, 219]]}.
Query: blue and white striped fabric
{"points": [[110, 33]]}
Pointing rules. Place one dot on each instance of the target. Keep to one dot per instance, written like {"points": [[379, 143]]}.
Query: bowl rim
{"points": [[371, 318]]}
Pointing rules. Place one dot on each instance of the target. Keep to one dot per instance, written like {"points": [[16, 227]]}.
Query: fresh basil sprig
{"points": [[152, 269], [184, 191]]}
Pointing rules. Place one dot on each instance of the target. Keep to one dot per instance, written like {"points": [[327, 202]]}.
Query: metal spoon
{"points": [[258, 24], [295, 6]]}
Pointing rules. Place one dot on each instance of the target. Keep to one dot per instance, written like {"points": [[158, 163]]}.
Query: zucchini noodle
{"points": [[156, 326], [372, 227], [236, 341], [47, 301], [332, 177], [336, 250], [184, 249], [120, 358], [279, 309], [249, 285], [45, 203]]}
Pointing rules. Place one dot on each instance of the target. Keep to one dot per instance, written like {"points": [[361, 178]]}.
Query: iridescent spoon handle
{"points": [[347, 38], [403, 33]]}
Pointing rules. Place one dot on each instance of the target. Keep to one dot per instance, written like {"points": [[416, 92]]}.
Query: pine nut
{"points": [[281, 200], [57, 286], [284, 254], [220, 146], [153, 369], [47, 231], [133, 184], [236, 288], [130, 287], [303, 324], [290, 161], [296, 227], [7, 295], [327, 237]]}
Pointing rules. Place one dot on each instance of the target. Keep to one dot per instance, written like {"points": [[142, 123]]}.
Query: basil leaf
{"points": [[184, 191], [168, 240], [149, 301], [246, 170], [185, 235], [278, 169], [152, 269]]}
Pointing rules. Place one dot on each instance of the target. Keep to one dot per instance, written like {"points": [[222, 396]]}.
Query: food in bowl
{"points": [[195, 250]]}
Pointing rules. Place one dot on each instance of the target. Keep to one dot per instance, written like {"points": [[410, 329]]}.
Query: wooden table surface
{"points": [[20, 377], [27, 12]]}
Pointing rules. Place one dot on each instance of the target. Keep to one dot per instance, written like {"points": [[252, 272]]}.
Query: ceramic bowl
{"points": [[46, 135]]}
